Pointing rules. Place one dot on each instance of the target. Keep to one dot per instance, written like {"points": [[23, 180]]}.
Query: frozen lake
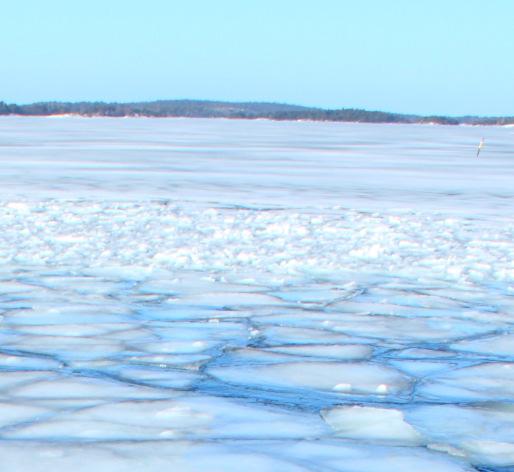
{"points": [[194, 295]]}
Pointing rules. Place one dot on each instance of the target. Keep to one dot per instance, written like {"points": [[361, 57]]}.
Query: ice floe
{"points": [[372, 424], [354, 378]]}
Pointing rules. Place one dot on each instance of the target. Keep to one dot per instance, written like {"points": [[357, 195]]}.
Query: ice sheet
{"points": [[206, 295]]}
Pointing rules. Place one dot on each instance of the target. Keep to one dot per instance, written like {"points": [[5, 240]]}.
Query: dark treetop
{"points": [[249, 110]]}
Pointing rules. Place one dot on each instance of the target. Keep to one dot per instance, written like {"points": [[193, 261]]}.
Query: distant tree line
{"points": [[249, 110]]}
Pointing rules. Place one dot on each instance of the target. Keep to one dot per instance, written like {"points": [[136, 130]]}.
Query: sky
{"points": [[449, 57]]}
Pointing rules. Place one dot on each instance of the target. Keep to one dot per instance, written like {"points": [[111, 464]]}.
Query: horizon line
{"points": [[251, 102]]}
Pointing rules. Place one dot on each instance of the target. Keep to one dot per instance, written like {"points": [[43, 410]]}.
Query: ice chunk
{"points": [[286, 335], [85, 388], [315, 295], [494, 345], [177, 347], [14, 287], [67, 347], [254, 356], [162, 377], [336, 351], [353, 456], [67, 329], [422, 353], [183, 417], [27, 362], [487, 382], [63, 313], [192, 361], [408, 329], [372, 424], [482, 433], [82, 285], [229, 299], [495, 453], [10, 380], [17, 413], [181, 456], [355, 378], [421, 368]]}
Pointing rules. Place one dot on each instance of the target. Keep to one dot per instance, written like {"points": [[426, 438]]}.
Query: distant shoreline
{"points": [[423, 123], [236, 110]]}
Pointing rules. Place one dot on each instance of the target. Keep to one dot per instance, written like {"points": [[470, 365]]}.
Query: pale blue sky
{"points": [[419, 56]]}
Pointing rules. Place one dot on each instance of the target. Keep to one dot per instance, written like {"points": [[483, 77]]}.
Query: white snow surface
{"points": [[199, 294]]}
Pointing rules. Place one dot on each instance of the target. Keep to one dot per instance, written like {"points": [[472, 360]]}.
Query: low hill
{"points": [[245, 110]]}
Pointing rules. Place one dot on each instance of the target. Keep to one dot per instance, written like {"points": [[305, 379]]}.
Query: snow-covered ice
{"points": [[194, 295], [371, 423]]}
